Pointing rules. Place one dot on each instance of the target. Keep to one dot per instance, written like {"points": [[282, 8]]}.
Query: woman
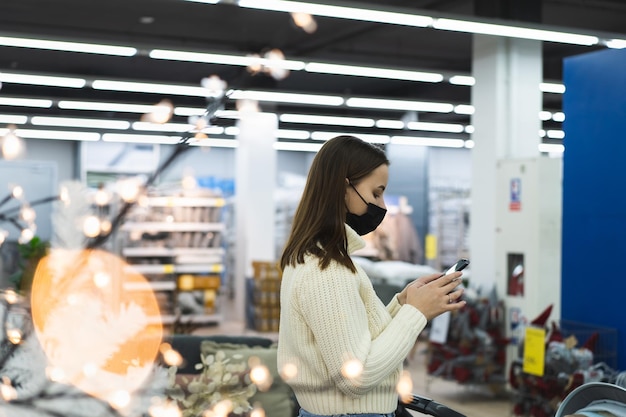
{"points": [[340, 349]]}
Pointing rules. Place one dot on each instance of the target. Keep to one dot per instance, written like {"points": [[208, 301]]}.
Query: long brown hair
{"points": [[318, 225]]}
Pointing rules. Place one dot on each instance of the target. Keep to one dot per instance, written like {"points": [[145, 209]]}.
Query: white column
{"points": [[507, 101], [254, 199]]}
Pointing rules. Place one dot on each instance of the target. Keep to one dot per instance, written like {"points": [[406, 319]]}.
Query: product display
{"points": [[176, 241], [469, 346], [266, 296], [575, 354]]}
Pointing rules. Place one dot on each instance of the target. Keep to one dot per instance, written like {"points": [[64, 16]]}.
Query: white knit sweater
{"points": [[331, 320]]}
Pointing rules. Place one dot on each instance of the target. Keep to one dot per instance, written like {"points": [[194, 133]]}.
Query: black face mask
{"points": [[367, 222]]}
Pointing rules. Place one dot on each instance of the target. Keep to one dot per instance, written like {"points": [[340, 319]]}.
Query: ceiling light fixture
{"points": [[352, 13], [421, 141], [514, 32], [57, 134], [45, 80], [315, 99], [87, 48], [132, 138], [297, 146], [551, 148], [205, 1], [616, 43], [404, 105], [293, 134], [555, 88], [245, 61], [217, 143], [13, 119], [103, 106], [25, 102], [151, 88], [372, 72], [76, 122], [436, 127], [462, 80], [390, 124], [326, 120], [324, 136]]}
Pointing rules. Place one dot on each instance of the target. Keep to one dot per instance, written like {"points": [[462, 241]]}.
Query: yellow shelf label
{"points": [[168, 269], [534, 351], [431, 247]]}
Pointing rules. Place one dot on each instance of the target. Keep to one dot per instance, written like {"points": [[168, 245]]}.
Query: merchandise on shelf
{"points": [[266, 295], [176, 241], [574, 354], [471, 347]]}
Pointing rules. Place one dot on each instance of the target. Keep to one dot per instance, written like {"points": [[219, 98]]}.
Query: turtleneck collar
{"points": [[355, 242]]}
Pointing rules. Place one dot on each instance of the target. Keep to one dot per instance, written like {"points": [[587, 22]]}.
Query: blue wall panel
{"points": [[594, 192]]}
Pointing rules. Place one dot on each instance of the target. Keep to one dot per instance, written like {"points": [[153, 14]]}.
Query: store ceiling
{"points": [[230, 29]]}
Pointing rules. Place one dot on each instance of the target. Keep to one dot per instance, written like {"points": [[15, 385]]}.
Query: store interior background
{"points": [[419, 173]]}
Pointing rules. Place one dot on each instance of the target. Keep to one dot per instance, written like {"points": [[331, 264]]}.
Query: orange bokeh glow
{"points": [[113, 326]]}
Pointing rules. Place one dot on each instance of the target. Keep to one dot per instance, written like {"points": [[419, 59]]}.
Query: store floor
{"points": [[470, 400]]}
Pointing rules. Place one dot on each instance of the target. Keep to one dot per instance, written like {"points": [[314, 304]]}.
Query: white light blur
{"points": [[91, 226]]}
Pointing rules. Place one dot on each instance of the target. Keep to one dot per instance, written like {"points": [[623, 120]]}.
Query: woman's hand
{"points": [[434, 294]]}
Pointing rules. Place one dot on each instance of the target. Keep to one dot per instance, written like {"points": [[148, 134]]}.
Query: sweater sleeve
{"points": [[394, 306], [331, 304]]}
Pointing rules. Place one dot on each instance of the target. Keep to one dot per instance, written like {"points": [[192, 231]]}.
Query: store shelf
{"points": [[173, 226], [214, 268], [186, 202], [169, 319], [173, 238], [150, 286], [161, 252]]}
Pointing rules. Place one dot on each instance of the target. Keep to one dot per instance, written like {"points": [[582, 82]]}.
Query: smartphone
{"points": [[458, 266]]}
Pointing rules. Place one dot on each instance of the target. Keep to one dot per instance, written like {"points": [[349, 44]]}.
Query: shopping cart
{"points": [[594, 398], [425, 405]]}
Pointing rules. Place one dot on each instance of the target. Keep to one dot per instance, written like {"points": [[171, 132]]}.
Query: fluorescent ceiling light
{"points": [[469, 129], [102, 106], [216, 143], [469, 144], [293, 134], [372, 72], [75, 122], [462, 80], [351, 13], [551, 147], [555, 134], [405, 105], [153, 88], [326, 120], [616, 43], [558, 116], [390, 124], [245, 61], [287, 97], [57, 134], [130, 138], [420, 141], [13, 119], [464, 109], [205, 1], [324, 136], [545, 115], [436, 127], [87, 48], [25, 102], [514, 32], [163, 127], [552, 88], [232, 131], [296, 146], [46, 80], [176, 128]]}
